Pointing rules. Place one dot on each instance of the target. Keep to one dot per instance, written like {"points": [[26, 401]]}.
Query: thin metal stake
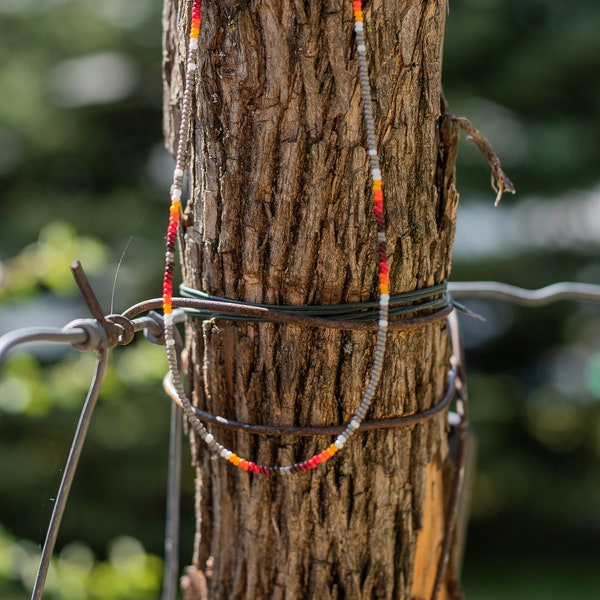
{"points": [[171, 573], [69, 473]]}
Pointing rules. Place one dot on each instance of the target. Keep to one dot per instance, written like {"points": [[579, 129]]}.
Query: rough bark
{"points": [[280, 213]]}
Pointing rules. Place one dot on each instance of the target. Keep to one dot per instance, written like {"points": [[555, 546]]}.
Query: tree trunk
{"points": [[281, 214]]}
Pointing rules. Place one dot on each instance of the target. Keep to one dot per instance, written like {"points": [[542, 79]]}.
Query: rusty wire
{"points": [[312, 430]]}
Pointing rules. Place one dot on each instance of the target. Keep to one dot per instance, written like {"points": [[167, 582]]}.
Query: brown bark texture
{"points": [[280, 213]]}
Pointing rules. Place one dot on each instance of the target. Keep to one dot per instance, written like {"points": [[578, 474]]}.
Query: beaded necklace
{"points": [[174, 215]]}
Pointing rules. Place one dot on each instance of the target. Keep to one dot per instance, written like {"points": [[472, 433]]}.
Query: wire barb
{"points": [[118, 329]]}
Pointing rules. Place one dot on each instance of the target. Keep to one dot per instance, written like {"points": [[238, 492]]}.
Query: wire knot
{"points": [[122, 329], [96, 336]]}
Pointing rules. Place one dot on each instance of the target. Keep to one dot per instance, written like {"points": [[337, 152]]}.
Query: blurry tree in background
{"points": [[524, 72], [83, 174]]}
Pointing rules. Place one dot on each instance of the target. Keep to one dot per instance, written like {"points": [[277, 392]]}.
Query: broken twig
{"points": [[500, 182]]}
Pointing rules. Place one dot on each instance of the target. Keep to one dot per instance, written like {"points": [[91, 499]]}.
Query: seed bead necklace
{"points": [[174, 216]]}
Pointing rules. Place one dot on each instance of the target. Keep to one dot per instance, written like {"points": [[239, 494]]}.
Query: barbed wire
{"points": [[102, 332]]}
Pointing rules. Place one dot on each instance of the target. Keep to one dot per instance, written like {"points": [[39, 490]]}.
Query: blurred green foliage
{"points": [[83, 175], [42, 263], [128, 573]]}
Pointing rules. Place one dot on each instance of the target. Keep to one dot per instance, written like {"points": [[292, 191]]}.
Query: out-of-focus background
{"points": [[83, 174]]}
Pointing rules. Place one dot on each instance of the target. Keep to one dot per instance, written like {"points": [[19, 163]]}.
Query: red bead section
{"points": [[195, 25], [307, 465], [384, 268], [167, 291]]}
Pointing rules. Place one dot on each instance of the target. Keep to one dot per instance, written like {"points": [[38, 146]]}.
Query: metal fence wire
{"points": [[101, 332]]}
